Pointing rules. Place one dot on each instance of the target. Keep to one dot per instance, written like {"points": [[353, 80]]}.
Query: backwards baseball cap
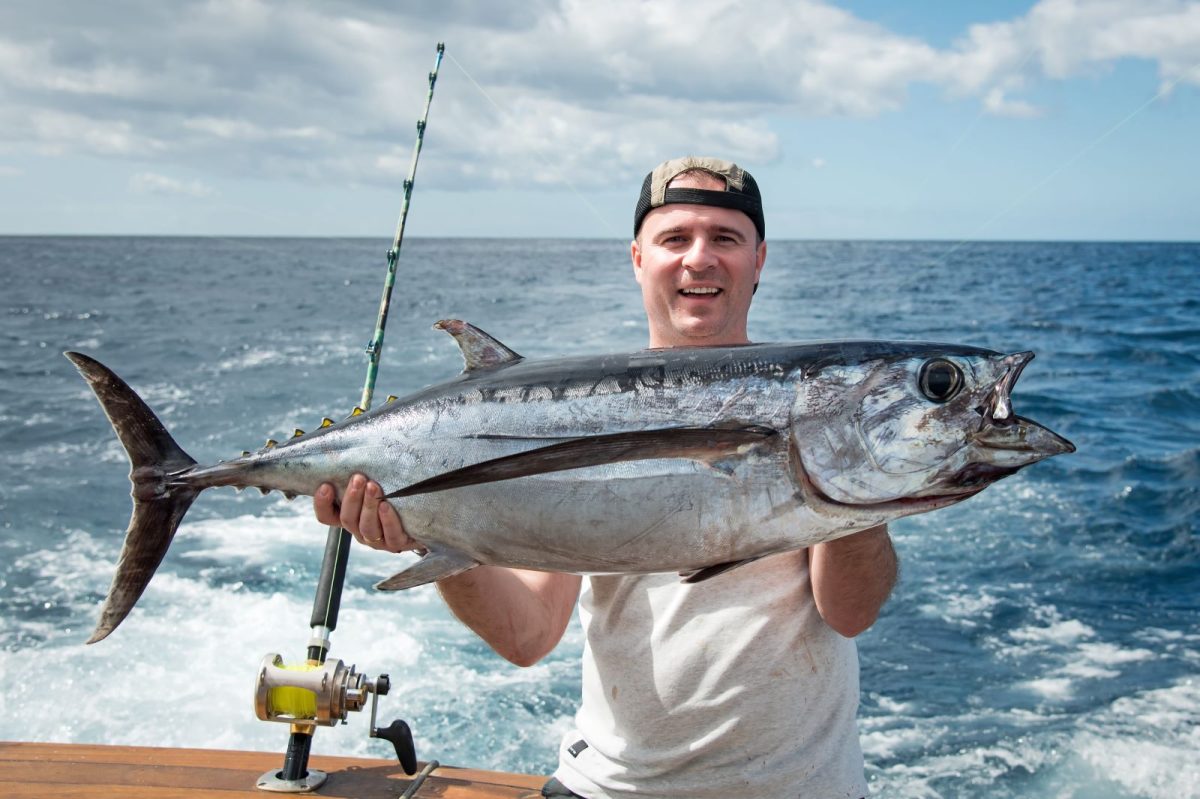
{"points": [[740, 194]]}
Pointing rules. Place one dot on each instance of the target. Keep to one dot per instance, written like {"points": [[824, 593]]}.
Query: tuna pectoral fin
{"points": [[438, 562], [697, 443], [160, 494]]}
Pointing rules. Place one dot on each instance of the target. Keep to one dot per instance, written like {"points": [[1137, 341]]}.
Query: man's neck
{"points": [[670, 341]]}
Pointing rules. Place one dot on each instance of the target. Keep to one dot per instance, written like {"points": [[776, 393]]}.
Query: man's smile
{"points": [[700, 291]]}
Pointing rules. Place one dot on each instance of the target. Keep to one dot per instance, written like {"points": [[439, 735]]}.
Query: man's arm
{"points": [[852, 578], [521, 614]]}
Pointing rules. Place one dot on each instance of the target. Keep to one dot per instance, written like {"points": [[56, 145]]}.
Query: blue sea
{"points": [[1043, 640]]}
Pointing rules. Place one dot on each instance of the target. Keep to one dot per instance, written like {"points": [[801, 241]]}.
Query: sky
{"points": [[860, 119]]}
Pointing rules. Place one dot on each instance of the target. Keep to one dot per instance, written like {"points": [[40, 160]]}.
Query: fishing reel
{"points": [[310, 695]]}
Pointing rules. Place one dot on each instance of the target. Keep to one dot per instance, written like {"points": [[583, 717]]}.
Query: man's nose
{"points": [[700, 255]]}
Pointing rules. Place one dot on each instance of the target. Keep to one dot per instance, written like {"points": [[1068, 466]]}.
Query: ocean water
{"points": [[1043, 640]]}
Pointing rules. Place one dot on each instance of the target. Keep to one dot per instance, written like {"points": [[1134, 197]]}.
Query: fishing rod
{"points": [[323, 691]]}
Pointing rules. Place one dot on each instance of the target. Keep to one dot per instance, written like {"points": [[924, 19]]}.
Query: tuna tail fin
{"points": [[160, 497]]}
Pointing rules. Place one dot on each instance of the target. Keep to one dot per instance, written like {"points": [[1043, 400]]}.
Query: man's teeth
{"points": [[703, 290]]}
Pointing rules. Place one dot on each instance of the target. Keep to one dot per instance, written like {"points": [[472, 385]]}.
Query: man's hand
{"points": [[521, 614], [365, 513]]}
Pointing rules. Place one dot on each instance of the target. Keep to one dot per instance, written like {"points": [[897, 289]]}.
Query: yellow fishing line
{"points": [[298, 703]]}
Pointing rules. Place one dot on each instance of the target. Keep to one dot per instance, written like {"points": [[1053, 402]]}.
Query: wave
{"points": [[1140, 745], [198, 638]]}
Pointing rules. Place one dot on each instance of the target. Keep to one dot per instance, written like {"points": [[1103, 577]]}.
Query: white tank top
{"points": [[732, 687]]}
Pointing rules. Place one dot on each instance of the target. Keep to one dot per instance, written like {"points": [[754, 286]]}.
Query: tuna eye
{"points": [[940, 380]]}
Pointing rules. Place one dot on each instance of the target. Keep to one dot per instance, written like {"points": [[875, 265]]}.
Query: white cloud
{"points": [[54, 131], [9, 171], [33, 67], [818, 163], [589, 93], [153, 183], [244, 130], [807, 54], [997, 104], [1061, 39]]}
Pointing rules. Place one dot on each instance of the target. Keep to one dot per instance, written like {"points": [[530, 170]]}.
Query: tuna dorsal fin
{"points": [[479, 350], [697, 443]]}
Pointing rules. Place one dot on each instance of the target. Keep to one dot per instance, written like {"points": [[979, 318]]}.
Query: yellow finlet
{"points": [[357, 411], [326, 422], [270, 443], [297, 433], [392, 398]]}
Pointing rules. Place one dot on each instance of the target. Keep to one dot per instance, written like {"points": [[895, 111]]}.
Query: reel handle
{"points": [[401, 737]]}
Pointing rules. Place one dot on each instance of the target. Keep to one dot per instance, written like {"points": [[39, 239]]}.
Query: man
{"points": [[742, 685]]}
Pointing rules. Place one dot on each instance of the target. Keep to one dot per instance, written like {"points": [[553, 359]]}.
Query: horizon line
{"points": [[870, 240]]}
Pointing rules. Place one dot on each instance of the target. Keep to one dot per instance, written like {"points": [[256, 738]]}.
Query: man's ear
{"points": [[635, 255], [761, 258]]}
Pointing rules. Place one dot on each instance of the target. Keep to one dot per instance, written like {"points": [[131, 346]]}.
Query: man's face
{"points": [[697, 266]]}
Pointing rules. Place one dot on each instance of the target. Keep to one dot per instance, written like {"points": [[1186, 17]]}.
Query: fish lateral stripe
{"points": [[702, 444]]}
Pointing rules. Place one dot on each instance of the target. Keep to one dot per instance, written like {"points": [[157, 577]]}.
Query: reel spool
{"points": [[310, 695]]}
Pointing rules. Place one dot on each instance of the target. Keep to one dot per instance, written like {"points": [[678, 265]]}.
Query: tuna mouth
{"points": [[1008, 441], [997, 408]]}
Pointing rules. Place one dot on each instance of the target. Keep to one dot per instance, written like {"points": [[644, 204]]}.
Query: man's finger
{"points": [[352, 501], [368, 520], [393, 529], [324, 505]]}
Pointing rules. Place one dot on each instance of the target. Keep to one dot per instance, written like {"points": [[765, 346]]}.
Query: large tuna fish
{"points": [[688, 460]]}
